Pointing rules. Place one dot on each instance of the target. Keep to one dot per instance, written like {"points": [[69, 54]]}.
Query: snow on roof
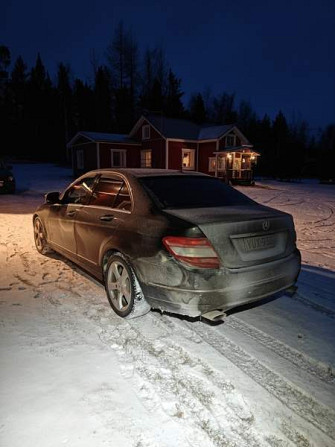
{"points": [[214, 132], [174, 128], [187, 130], [103, 137]]}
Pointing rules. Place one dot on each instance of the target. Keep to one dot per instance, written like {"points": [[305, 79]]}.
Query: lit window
{"points": [[146, 132], [188, 159], [221, 164], [211, 165], [146, 159], [118, 158]]}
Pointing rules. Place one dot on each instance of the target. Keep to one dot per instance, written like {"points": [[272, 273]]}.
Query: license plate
{"points": [[259, 242]]}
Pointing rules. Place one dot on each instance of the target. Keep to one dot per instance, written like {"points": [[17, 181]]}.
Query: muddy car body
{"points": [[182, 242]]}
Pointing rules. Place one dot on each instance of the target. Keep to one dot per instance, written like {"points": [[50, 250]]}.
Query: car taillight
{"points": [[193, 251]]}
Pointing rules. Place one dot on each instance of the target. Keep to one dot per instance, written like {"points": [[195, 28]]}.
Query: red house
{"points": [[168, 143]]}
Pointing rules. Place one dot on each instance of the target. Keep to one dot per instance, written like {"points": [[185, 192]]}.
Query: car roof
{"points": [[137, 172]]}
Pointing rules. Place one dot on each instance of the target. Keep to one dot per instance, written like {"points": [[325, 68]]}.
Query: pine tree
{"points": [[83, 107], [197, 111], [173, 105], [5, 60], [223, 110], [5, 100], [42, 116], [64, 91], [281, 146], [103, 100]]}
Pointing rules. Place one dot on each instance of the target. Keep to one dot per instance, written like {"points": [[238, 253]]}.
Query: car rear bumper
{"points": [[190, 293]]}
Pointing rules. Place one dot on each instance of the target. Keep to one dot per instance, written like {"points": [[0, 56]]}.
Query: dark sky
{"points": [[276, 54]]}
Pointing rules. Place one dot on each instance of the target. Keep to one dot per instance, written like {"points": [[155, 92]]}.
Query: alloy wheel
{"points": [[39, 235], [119, 286]]}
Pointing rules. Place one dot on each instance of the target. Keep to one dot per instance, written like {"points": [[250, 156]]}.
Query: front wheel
{"points": [[40, 238], [123, 290]]}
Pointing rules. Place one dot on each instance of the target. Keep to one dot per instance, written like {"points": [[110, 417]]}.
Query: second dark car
{"points": [[7, 179], [180, 242]]}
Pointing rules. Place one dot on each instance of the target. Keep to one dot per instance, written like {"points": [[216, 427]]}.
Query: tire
{"points": [[40, 237], [123, 290]]}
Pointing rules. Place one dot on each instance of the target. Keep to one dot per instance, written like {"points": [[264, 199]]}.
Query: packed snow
{"points": [[74, 373]]}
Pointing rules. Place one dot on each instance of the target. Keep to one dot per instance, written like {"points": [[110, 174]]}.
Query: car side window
{"points": [[105, 192], [80, 192], [123, 200]]}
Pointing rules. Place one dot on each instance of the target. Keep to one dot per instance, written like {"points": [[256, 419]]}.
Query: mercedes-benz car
{"points": [[7, 179], [180, 242]]}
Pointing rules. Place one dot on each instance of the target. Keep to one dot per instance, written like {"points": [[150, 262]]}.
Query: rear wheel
{"points": [[40, 237], [123, 291]]}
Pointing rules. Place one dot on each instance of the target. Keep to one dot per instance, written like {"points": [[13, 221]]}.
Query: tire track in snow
{"points": [[302, 361], [297, 400], [185, 387], [288, 429], [309, 303]]}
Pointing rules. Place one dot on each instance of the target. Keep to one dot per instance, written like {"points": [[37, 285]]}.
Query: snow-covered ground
{"points": [[73, 373]]}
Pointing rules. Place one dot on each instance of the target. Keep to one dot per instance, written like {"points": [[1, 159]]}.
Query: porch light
{"points": [[253, 157], [229, 156], [243, 160]]}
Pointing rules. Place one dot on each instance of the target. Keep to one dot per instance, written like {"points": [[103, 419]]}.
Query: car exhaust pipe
{"points": [[214, 316]]}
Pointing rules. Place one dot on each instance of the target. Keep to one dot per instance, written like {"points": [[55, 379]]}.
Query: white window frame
{"points": [[146, 162], [80, 159], [146, 132], [211, 164], [185, 151], [234, 140], [123, 158], [221, 164]]}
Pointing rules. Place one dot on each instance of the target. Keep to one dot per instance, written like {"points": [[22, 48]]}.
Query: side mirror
{"points": [[52, 197]]}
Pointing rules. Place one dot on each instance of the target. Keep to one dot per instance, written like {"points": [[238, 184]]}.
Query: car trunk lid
{"points": [[243, 235]]}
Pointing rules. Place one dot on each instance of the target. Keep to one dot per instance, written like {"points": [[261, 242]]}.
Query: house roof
{"points": [[214, 132], [183, 129], [102, 138], [172, 128]]}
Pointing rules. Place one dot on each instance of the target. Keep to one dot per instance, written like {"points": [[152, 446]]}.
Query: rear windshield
{"points": [[192, 192]]}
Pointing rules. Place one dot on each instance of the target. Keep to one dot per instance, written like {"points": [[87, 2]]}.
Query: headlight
{"points": [[10, 178]]}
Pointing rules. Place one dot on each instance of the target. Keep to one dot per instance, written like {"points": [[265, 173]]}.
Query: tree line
{"points": [[39, 115]]}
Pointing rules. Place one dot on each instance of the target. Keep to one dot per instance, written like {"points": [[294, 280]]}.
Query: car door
{"points": [[62, 215], [108, 207]]}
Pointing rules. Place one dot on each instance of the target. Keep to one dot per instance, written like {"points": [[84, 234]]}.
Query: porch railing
{"points": [[239, 174]]}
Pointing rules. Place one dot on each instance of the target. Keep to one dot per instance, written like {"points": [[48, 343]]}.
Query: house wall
{"points": [[90, 158], [153, 133], [158, 152], [222, 142], [175, 153], [206, 150], [157, 145], [133, 157]]}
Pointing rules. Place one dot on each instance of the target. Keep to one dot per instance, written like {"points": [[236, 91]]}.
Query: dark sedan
{"points": [[7, 179], [180, 242]]}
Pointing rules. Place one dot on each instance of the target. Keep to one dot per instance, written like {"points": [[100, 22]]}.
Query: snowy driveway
{"points": [[73, 373]]}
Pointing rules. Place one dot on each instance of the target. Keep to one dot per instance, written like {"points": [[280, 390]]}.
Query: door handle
{"points": [[106, 217], [71, 213]]}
